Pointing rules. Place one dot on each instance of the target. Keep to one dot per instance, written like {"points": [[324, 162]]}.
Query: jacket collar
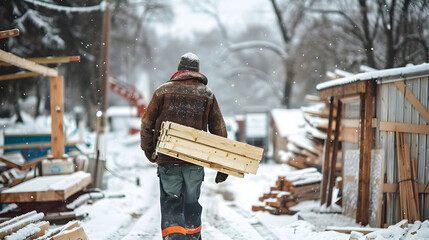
{"points": [[186, 75]]}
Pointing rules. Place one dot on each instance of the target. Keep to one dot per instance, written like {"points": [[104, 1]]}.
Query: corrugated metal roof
{"points": [[392, 72]]}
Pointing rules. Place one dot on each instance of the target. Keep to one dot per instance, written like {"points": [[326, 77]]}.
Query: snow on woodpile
{"points": [[304, 141], [399, 72], [289, 190]]}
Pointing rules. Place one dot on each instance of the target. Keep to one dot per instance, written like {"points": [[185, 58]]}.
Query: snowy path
{"points": [[226, 207]]}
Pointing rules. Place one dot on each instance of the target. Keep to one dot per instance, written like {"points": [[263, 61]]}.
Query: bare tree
{"points": [[392, 25]]}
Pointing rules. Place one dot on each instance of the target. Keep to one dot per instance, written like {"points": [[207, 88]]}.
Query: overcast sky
{"points": [[233, 13]]}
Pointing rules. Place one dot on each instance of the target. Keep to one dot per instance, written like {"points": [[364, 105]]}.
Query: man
{"points": [[184, 99]]}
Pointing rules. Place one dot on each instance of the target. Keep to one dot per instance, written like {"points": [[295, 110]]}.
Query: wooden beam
{"points": [[345, 90], [413, 100], [327, 152], [9, 33], [19, 75], [404, 127], [26, 64], [366, 109], [332, 170], [394, 188], [57, 112], [47, 60]]}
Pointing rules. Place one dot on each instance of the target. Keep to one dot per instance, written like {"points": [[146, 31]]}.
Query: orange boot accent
{"points": [[173, 229], [193, 230]]}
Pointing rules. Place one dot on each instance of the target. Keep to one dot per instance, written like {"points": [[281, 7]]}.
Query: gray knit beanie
{"points": [[190, 62]]}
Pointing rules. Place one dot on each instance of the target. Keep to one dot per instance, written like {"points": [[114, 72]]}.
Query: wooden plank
{"points": [[346, 90], [44, 227], [212, 140], [208, 154], [327, 153], [393, 188], [47, 188], [75, 233], [367, 144], [26, 64], [25, 166], [332, 170], [47, 60], [19, 75], [404, 127], [200, 163], [413, 100], [57, 112], [9, 33], [22, 222], [361, 149]]}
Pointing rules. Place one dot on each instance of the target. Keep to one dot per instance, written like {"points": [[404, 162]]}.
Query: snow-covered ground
{"points": [[226, 206]]}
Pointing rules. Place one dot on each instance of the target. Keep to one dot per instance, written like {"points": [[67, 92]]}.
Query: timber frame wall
{"points": [[57, 87], [386, 105]]}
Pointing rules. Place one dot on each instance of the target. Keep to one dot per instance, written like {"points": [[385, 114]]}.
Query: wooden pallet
{"points": [[208, 150]]}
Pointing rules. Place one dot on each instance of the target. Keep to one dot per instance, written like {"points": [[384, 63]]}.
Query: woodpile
{"points": [[208, 150], [305, 148], [289, 190], [32, 226]]}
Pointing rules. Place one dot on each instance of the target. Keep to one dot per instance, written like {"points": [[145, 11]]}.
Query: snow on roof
{"points": [[400, 72], [288, 121]]}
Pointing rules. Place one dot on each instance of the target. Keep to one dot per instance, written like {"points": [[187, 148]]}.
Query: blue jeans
{"points": [[180, 189]]}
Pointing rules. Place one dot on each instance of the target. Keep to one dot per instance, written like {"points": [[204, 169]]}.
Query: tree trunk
{"points": [[39, 98], [290, 77], [15, 99]]}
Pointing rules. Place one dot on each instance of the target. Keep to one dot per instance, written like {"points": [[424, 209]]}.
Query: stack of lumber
{"points": [[407, 176], [289, 190], [208, 150], [305, 148], [31, 226], [401, 230]]}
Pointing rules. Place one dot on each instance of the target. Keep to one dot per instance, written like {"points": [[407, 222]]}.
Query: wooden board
{"points": [[201, 163], [47, 188], [26, 64], [47, 60], [404, 127], [212, 140], [208, 150], [18, 75], [208, 154], [57, 112], [413, 100]]}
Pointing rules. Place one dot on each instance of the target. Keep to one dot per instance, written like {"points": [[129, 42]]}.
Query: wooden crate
{"points": [[208, 150]]}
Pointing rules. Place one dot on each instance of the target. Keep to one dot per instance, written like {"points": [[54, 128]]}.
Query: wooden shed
{"points": [[382, 131]]}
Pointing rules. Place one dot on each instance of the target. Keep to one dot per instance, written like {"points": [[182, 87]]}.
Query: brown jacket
{"points": [[186, 100]]}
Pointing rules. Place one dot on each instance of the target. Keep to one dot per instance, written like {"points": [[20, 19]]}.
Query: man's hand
{"points": [[220, 177], [151, 156]]}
